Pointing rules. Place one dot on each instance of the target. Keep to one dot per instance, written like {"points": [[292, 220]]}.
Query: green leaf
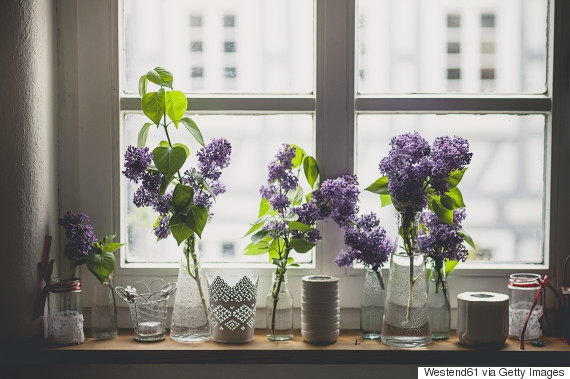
{"points": [[176, 104], [444, 214], [166, 179], [301, 246], [169, 160], [182, 196], [447, 202], [197, 218], [193, 129], [101, 265], [295, 225], [160, 76], [143, 134], [457, 197], [385, 200], [260, 235], [203, 183], [180, 230], [111, 247], [153, 105], [186, 149], [449, 266], [296, 196], [311, 170], [380, 186], [277, 248], [254, 228], [259, 248], [299, 156], [264, 207], [455, 177], [142, 85], [467, 238]]}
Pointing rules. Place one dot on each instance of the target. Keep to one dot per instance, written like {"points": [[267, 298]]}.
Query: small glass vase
{"points": [[406, 320], [104, 311], [372, 305], [190, 318], [438, 302], [279, 308], [65, 312]]}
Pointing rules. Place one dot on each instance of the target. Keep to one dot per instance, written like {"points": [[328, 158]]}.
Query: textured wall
{"points": [[28, 140]]}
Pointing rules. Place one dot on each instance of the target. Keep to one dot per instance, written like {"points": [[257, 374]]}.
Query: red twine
{"points": [[46, 270], [542, 283]]}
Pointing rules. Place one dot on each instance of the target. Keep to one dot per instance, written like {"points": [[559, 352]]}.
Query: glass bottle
{"points": [[438, 302], [523, 288], [104, 311], [190, 318], [279, 308], [65, 312], [372, 305]]}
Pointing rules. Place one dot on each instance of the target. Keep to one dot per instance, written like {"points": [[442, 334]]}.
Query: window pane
{"points": [[465, 46], [503, 187], [248, 46], [255, 140]]}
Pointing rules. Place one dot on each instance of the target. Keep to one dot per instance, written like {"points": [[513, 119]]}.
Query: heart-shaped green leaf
{"points": [[101, 265], [153, 106], [168, 160], [176, 104]]}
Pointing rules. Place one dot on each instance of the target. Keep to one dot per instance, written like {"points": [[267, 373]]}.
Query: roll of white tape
{"points": [[482, 318]]}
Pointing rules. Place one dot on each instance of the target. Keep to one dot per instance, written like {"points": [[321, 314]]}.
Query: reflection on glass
{"points": [[248, 46], [503, 186], [465, 46], [255, 140]]}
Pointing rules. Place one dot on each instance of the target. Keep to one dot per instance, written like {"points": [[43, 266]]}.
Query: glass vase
{"points": [[372, 305], [65, 312], [279, 308], [104, 311], [438, 302], [190, 318], [406, 320]]}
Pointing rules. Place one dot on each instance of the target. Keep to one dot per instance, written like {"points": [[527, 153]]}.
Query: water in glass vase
{"points": [[279, 310], [406, 320]]}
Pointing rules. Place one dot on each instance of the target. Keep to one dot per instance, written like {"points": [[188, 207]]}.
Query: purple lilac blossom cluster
{"points": [[412, 165], [338, 199], [212, 158], [367, 243], [81, 237], [280, 179], [441, 241]]}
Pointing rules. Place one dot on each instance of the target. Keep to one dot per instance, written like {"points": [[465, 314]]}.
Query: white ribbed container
{"points": [[320, 309]]}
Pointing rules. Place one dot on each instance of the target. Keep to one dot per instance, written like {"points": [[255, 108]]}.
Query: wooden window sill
{"points": [[124, 350]]}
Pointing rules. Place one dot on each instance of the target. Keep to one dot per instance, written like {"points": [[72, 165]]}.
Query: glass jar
{"points": [[279, 310], [372, 305], [65, 313], [523, 289], [438, 303]]}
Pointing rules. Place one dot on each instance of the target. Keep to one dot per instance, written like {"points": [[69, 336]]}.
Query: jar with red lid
{"points": [[65, 313]]}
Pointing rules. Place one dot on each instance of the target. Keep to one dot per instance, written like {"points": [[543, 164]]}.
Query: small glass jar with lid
{"points": [[65, 313], [523, 289]]}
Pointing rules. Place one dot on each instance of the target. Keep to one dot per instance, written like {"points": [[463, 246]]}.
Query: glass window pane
{"points": [[267, 44], [461, 46], [255, 140], [503, 187]]}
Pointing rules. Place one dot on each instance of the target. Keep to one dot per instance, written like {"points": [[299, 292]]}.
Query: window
{"points": [[346, 110]]}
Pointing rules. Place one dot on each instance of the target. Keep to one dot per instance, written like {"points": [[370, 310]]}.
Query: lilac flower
{"points": [[81, 237], [367, 243], [447, 155], [147, 194], [137, 161], [162, 204], [214, 157], [407, 167], [338, 199], [281, 168], [441, 241], [162, 228]]}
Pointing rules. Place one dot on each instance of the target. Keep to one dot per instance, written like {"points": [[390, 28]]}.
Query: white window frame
{"points": [[90, 106]]}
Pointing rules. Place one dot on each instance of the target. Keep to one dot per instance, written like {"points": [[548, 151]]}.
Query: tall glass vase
{"points": [[104, 311], [406, 321], [190, 318], [372, 305], [438, 301], [279, 308]]}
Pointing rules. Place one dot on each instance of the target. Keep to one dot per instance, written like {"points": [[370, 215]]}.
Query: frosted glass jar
{"points": [[65, 313], [523, 289]]}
